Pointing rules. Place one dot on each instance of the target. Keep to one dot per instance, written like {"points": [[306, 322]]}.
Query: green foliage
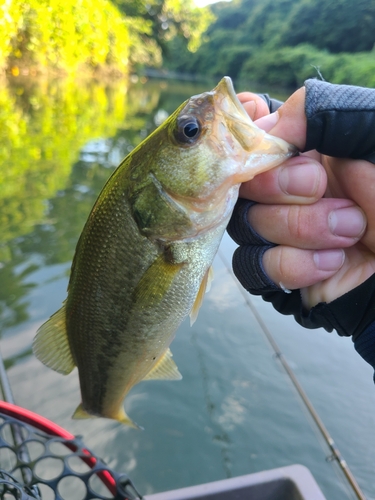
{"points": [[291, 66], [356, 70], [339, 26], [169, 19], [283, 42], [110, 35], [262, 25], [64, 35], [42, 129], [287, 67], [215, 57]]}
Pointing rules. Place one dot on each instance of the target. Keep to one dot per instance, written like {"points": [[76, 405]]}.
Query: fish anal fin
{"points": [[205, 287], [165, 369], [121, 417], [81, 413], [51, 344]]}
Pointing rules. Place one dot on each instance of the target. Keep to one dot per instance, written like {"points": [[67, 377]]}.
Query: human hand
{"points": [[314, 207]]}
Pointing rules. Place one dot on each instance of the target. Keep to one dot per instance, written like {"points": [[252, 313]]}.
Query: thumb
{"points": [[289, 121]]}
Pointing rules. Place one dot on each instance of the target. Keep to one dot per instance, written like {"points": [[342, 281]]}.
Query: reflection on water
{"points": [[233, 413], [59, 142]]}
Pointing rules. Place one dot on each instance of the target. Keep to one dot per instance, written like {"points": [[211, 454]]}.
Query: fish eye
{"points": [[191, 129], [188, 129]]}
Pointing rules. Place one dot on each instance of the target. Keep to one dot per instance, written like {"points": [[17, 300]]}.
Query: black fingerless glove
{"points": [[340, 123], [349, 315], [273, 104], [340, 120]]}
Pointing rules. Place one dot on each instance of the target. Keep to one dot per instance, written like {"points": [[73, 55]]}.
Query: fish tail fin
{"points": [[51, 344], [121, 417]]}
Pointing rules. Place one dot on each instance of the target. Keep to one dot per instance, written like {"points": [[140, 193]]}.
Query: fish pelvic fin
{"points": [[165, 369], [81, 414], [51, 344], [205, 287]]}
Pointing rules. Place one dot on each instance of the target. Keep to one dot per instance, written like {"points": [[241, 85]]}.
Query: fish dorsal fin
{"points": [[165, 369], [205, 287], [51, 344]]}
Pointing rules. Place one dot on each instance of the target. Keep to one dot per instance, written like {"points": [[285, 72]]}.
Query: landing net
{"points": [[40, 460]]}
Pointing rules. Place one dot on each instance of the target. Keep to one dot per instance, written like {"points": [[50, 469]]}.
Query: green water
{"points": [[234, 412]]}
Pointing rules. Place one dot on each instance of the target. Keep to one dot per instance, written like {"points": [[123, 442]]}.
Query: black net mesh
{"points": [[35, 465], [11, 488]]}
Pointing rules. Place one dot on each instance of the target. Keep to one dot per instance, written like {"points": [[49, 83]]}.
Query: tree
{"points": [[168, 19], [340, 26]]}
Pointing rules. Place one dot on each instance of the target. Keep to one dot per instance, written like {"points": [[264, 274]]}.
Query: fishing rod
{"points": [[336, 455]]}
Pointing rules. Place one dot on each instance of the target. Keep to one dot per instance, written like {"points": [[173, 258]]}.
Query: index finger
{"points": [[255, 106]]}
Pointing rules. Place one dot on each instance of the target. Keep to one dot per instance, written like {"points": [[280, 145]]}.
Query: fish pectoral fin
{"points": [[205, 287], [51, 344], [155, 283], [165, 369]]}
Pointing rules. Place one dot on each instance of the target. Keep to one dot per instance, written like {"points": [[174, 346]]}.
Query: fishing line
{"points": [[336, 455], [221, 436]]}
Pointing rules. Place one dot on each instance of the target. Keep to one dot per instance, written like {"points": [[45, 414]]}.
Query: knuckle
{"points": [[306, 225], [297, 222], [275, 264]]}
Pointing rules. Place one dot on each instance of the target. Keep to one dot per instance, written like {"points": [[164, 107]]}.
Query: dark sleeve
{"points": [[364, 344], [273, 104], [349, 314], [340, 120]]}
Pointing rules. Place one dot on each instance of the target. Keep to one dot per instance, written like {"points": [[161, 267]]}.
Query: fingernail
{"points": [[268, 122], [329, 260], [300, 179], [349, 222]]}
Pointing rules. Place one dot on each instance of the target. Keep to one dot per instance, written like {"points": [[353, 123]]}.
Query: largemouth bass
{"points": [[143, 260]]}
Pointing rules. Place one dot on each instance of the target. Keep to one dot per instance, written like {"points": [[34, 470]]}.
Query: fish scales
{"points": [[143, 260]]}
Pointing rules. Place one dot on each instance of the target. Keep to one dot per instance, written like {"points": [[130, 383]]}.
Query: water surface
{"points": [[234, 412]]}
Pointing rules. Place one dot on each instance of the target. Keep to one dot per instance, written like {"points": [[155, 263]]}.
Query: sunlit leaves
{"points": [[42, 129], [50, 34], [90, 35], [169, 19]]}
